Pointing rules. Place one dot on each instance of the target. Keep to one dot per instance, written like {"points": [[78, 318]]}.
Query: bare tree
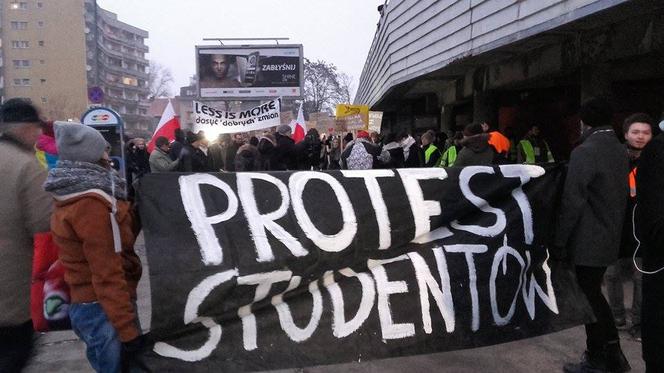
{"points": [[159, 80], [344, 93], [321, 86]]}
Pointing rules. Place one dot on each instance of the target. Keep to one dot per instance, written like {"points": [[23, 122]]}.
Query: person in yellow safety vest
{"points": [[637, 129], [450, 155], [432, 155], [533, 149]]}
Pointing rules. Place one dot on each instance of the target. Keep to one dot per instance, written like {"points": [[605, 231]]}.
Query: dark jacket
{"points": [[396, 155], [594, 200], [176, 148], [285, 154], [415, 157], [247, 159], [215, 157], [193, 160], [476, 151], [308, 151], [267, 153], [230, 151], [650, 219]]}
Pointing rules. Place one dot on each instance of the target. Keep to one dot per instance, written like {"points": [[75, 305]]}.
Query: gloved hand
{"points": [[131, 355]]}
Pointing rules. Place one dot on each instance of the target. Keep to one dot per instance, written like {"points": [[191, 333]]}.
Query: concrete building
{"points": [[441, 64], [43, 55], [54, 51], [116, 59]]}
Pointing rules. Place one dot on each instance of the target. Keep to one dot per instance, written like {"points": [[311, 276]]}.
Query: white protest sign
{"points": [[214, 122], [375, 120]]}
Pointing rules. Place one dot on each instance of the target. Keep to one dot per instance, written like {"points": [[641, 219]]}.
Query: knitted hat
{"points": [[361, 134], [18, 110], [77, 142], [284, 130]]}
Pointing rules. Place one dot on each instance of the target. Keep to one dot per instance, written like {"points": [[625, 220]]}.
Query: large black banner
{"points": [[256, 271]]}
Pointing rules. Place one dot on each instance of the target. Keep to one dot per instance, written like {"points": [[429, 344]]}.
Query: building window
{"points": [[44, 100], [43, 81], [41, 43], [20, 44], [21, 64], [40, 24], [40, 4], [19, 25], [129, 81], [18, 5], [22, 82], [42, 62]]}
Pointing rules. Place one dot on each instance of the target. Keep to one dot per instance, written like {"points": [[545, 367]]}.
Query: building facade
{"points": [[439, 64], [43, 55], [116, 63], [54, 51]]}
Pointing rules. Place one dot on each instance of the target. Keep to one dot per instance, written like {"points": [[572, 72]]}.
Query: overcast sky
{"points": [[337, 31]]}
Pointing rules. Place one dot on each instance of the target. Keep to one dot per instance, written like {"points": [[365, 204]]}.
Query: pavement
{"points": [[63, 352]]}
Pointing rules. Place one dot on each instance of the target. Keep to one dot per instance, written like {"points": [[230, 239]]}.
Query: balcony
{"points": [[124, 41], [125, 71], [121, 54]]}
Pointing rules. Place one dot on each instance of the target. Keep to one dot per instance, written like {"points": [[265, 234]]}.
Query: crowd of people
{"points": [[611, 220]]}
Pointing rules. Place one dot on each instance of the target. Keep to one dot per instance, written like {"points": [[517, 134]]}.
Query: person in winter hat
{"points": [[95, 228], [25, 209]]}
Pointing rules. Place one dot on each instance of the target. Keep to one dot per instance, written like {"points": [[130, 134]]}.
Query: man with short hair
{"points": [[218, 72], [590, 226], [432, 155], [637, 130], [533, 148], [25, 209], [160, 161]]}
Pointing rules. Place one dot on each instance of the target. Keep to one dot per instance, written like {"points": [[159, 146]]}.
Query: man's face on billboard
{"points": [[219, 65]]}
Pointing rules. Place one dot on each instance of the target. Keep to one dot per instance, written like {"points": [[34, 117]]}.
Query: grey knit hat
{"points": [[284, 130], [77, 142]]}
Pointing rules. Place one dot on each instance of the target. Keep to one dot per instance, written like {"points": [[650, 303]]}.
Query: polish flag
{"points": [[166, 127], [298, 126]]}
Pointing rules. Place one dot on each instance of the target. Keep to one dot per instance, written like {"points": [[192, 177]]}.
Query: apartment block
{"points": [[43, 55], [53, 52]]}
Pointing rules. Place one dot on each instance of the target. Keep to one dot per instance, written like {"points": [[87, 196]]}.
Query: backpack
{"points": [[359, 158]]}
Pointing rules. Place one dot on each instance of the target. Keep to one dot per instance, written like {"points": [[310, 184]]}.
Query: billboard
{"points": [[256, 71]]}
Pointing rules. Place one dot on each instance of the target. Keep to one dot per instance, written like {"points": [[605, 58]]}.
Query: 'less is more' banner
{"points": [[254, 271]]}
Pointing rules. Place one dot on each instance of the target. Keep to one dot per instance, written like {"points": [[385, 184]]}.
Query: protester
{"points": [[216, 154], [45, 149], [233, 145], [177, 144], [308, 151], [248, 157], [476, 148], [160, 161], [450, 155], [192, 158], [412, 154], [533, 148], [360, 154], [138, 162], [375, 137], [593, 209], [649, 185], [94, 226], [266, 148], [347, 139], [25, 210], [334, 155], [637, 130], [500, 144], [285, 154], [395, 151], [325, 143], [432, 156]]}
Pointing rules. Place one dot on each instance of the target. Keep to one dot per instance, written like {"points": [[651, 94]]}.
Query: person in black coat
{"points": [[285, 153], [650, 220], [395, 150], [266, 148], [177, 144], [412, 153], [193, 158], [590, 226], [309, 150]]}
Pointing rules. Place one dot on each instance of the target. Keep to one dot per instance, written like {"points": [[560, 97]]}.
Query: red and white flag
{"points": [[166, 127], [298, 126]]}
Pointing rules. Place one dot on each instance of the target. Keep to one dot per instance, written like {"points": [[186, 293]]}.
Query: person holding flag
{"points": [[298, 125]]}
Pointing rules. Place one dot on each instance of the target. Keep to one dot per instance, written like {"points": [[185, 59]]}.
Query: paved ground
{"points": [[62, 352]]}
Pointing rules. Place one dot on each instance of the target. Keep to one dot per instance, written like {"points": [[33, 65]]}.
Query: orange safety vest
{"points": [[499, 142], [632, 183]]}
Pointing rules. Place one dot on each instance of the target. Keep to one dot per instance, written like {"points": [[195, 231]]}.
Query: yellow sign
{"points": [[352, 111]]}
